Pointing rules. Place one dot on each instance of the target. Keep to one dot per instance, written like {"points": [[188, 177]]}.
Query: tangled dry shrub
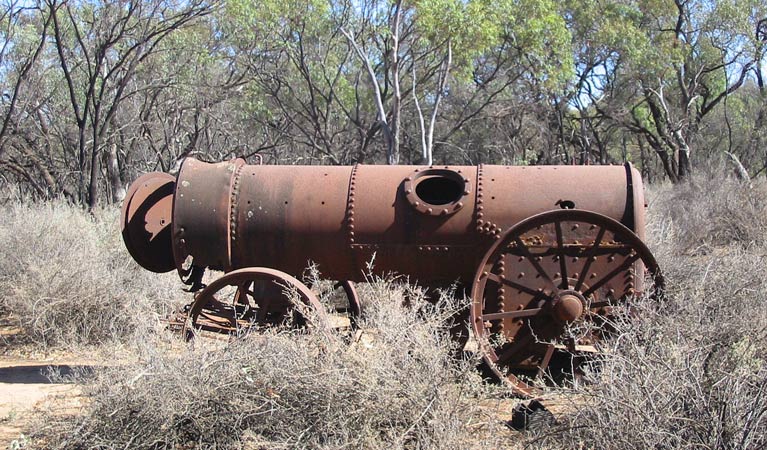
{"points": [[396, 387], [708, 212], [688, 371], [67, 280]]}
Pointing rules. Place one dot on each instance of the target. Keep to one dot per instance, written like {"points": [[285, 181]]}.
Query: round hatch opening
{"points": [[439, 190], [436, 191]]}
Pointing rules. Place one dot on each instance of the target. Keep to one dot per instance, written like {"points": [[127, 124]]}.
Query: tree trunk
{"points": [[685, 169], [740, 172], [669, 165], [113, 172], [397, 100], [93, 183], [644, 161], [757, 138]]}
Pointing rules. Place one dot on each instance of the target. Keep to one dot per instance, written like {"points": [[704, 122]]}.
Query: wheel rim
{"points": [[252, 297], [523, 307], [355, 306]]}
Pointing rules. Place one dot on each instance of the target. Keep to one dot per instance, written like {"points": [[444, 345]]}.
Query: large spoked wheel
{"points": [[252, 297], [548, 285]]}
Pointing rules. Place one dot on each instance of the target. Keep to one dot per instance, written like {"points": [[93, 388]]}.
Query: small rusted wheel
{"points": [[354, 309], [254, 296], [548, 285]]}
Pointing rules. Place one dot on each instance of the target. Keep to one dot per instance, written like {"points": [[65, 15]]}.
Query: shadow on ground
{"points": [[43, 373]]}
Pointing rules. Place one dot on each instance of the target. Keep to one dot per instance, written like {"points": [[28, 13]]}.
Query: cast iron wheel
{"points": [[251, 297], [548, 285]]}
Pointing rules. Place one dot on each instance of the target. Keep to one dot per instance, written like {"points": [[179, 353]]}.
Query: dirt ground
{"points": [[30, 382], [33, 384]]}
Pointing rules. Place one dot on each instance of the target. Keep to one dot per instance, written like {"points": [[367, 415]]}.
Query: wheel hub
{"points": [[568, 307]]}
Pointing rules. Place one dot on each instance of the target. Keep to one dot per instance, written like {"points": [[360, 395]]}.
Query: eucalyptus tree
{"points": [[100, 47], [24, 29], [300, 102], [676, 64], [443, 63], [757, 142]]}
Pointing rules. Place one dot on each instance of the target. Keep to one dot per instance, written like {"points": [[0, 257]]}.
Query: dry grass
{"points": [[66, 279], [689, 371], [707, 213], [397, 387]]}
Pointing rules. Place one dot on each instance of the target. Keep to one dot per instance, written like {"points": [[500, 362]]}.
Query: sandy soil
{"points": [[30, 384]]}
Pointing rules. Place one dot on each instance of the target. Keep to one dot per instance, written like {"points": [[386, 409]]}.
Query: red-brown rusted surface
{"points": [[252, 296], [434, 224], [145, 221], [354, 307], [548, 284], [440, 224]]}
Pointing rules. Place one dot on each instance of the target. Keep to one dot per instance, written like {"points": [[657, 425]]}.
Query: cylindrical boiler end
{"points": [[145, 221]]}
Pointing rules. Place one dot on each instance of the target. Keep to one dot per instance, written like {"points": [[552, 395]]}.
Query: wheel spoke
{"points": [[561, 255], [512, 314], [538, 268], [214, 304], [589, 259], [212, 311], [626, 264], [546, 360], [501, 280], [529, 346], [515, 348], [242, 293]]}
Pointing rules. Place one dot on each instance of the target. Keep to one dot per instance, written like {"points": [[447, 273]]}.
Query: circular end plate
{"points": [[145, 221]]}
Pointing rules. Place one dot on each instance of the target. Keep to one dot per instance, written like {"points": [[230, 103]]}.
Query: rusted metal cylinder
{"points": [[433, 224], [536, 271]]}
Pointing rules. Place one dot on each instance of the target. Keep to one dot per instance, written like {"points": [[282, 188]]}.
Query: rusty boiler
{"points": [[543, 249]]}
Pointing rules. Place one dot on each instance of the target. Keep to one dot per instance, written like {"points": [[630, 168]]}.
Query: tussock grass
{"points": [[66, 279]]}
